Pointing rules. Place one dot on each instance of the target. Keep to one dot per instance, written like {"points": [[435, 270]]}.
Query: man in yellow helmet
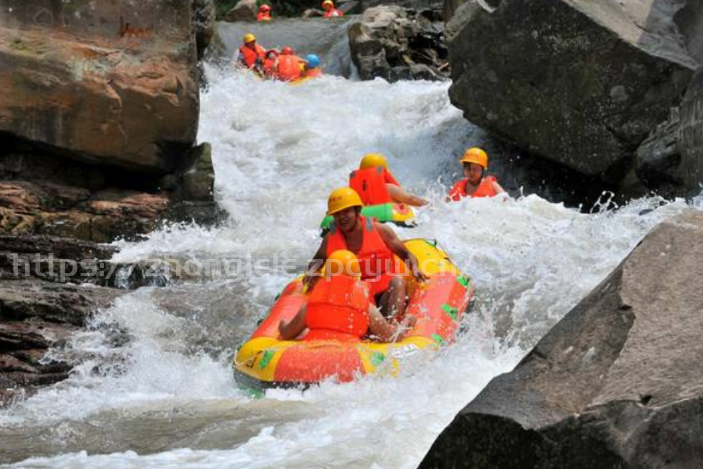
{"points": [[251, 55], [475, 183], [376, 185], [374, 244]]}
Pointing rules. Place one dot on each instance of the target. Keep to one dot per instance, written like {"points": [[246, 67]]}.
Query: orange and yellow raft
{"points": [[266, 361]]}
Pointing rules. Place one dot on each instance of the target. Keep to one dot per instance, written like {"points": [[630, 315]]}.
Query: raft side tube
{"points": [[438, 305]]}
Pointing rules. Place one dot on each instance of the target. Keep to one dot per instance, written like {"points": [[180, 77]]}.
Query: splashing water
{"points": [[278, 151]]}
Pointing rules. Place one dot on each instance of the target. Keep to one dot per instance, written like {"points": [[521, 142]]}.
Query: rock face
{"points": [[689, 135], [614, 385], [394, 43], [39, 308], [114, 85], [580, 82], [41, 194], [244, 10], [49, 288], [205, 26]]}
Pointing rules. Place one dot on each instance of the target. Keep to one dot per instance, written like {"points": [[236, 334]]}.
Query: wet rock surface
{"points": [[395, 43], [615, 384], [50, 288], [582, 83]]}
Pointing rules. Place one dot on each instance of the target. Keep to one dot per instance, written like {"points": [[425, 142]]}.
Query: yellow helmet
{"points": [[371, 160], [327, 2], [476, 155], [248, 37], [343, 198], [343, 262]]}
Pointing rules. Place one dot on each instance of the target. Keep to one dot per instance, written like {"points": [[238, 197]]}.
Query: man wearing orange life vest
{"points": [[289, 66], [264, 13], [339, 307], [330, 10], [475, 182], [251, 55], [376, 185], [374, 244]]}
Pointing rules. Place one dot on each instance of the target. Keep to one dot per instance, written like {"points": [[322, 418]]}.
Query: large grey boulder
{"points": [[615, 384], [244, 10], [579, 82]]}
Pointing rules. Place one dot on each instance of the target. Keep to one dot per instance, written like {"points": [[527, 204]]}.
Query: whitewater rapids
{"points": [[166, 398]]}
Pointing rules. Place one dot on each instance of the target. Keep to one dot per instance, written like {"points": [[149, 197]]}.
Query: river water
{"points": [[166, 397]]}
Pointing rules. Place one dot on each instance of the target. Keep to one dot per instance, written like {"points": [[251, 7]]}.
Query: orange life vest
{"points": [[374, 256], [263, 16], [288, 68], [313, 72], [338, 308], [250, 56], [333, 12], [269, 67], [484, 189], [371, 185]]}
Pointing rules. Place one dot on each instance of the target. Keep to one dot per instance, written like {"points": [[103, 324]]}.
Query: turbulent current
{"points": [[166, 396]]}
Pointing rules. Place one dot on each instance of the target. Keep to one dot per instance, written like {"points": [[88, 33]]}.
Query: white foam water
{"points": [[166, 397]]}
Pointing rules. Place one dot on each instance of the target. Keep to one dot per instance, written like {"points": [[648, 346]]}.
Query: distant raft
{"points": [[265, 361]]}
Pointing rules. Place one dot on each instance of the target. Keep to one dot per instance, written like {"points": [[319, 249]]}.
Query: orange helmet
{"points": [[476, 155], [287, 51]]}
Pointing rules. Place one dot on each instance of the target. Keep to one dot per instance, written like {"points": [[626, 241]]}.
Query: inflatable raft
{"points": [[399, 214], [264, 361]]}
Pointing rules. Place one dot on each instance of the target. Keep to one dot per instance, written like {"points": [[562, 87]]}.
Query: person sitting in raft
{"points": [[270, 63], [376, 185], [289, 67], [339, 307], [374, 244], [330, 10], [312, 66], [475, 183], [264, 13], [251, 55]]}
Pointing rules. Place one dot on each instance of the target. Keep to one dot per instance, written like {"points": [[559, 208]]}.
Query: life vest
{"points": [[338, 308], [288, 68], [333, 13], [374, 256], [484, 189], [313, 72], [370, 184], [250, 56], [263, 16], [269, 67]]}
